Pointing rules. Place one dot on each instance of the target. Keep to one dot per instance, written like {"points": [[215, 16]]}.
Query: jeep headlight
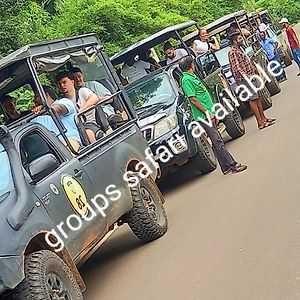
{"points": [[164, 126]]}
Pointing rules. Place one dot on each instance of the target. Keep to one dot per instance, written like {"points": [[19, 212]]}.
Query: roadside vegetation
{"points": [[118, 23]]}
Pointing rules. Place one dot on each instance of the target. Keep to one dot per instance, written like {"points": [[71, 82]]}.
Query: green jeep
{"points": [[57, 204]]}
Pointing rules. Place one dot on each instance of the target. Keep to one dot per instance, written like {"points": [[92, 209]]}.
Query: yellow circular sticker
{"points": [[75, 194]]}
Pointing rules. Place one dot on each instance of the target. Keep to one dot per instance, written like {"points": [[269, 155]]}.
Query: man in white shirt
{"points": [[173, 54], [83, 99], [111, 107], [133, 70]]}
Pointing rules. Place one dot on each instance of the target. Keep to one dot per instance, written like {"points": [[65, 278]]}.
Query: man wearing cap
{"points": [[293, 41]]}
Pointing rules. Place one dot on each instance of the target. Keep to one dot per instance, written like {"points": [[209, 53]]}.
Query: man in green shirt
{"points": [[202, 108]]}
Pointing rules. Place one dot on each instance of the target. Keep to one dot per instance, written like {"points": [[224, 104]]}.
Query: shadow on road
{"points": [[184, 175], [115, 248]]}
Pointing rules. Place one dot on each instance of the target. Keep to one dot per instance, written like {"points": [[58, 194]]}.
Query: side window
{"points": [[39, 159], [208, 62]]}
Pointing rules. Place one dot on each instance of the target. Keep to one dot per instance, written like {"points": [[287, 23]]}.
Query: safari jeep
{"points": [[218, 28], [275, 33], [164, 111], [58, 204]]}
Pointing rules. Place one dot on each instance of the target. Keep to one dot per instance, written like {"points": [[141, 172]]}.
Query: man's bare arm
{"points": [[93, 99], [297, 40], [60, 109], [216, 45]]}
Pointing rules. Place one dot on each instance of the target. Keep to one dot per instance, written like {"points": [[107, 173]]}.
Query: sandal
{"points": [[267, 124], [239, 168], [228, 171], [271, 120]]}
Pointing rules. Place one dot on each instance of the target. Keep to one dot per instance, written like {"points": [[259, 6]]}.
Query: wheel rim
{"points": [[154, 210], [56, 288]]}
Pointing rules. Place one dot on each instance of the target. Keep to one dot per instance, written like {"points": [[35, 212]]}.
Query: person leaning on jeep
{"points": [[202, 104], [242, 68], [83, 99], [64, 108]]}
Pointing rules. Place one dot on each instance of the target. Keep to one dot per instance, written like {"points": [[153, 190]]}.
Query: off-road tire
{"points": [[273, 87], [204, 161], [147, 219], [287, 60], [234, 124], [43, 268], [266, 99]]}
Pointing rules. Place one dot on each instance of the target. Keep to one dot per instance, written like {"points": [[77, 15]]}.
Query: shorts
{"points": [[254, 95], [93, 126]]}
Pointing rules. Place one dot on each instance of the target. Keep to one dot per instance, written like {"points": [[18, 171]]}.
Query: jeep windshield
{"points": [[6, 181], [222, 56], [150, 96]]}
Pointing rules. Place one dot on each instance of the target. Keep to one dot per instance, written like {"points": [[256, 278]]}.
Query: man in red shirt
{"points": [[293, 40]]}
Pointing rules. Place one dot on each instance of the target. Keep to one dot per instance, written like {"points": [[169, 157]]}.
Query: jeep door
{"points": [[63, 187], [105, 164], [211, 70]]}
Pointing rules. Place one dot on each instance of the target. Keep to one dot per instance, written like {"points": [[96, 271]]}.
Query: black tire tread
{"points": [[273, 87], [232, 128], [33, 287], [266, 99], [139, 219], [201, 162]]}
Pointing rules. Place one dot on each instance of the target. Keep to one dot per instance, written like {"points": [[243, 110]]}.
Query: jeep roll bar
{"points": [[79, 116]]}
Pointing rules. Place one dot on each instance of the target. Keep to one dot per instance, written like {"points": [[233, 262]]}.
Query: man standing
{"points": [[270, 48], [242, 68], [293, 41], [173, 54], [202, 106], [234, 27]]}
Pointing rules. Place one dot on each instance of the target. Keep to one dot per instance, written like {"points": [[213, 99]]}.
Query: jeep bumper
{"points": [[181, 153]]}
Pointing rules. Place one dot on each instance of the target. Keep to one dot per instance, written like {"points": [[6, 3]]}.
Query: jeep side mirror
{"points": [[43, 166]]}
